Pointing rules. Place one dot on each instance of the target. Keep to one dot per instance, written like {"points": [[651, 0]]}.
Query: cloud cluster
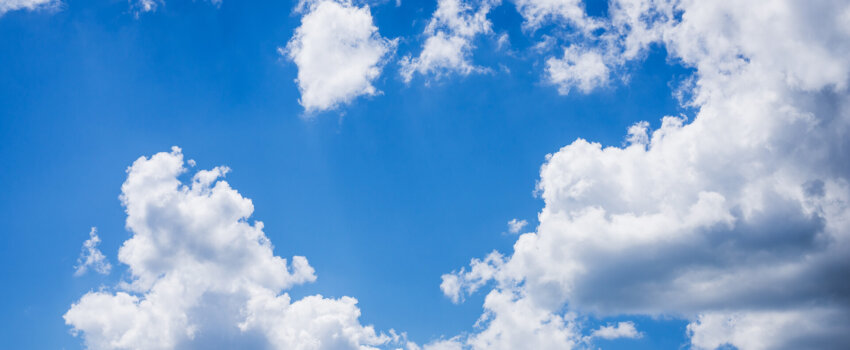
{"points": [[737, 220], [91, 257], [339, 53], [203, 276], [449, 35], [31, 5]]}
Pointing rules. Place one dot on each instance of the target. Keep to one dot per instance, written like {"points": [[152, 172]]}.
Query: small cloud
{"points": [[503, 41], [30, 5], [91, 257], [514, 226], [339, 54], [621, 330]]}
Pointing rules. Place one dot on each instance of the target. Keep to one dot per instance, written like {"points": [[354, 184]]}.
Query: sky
{"points": [[424, 175]]}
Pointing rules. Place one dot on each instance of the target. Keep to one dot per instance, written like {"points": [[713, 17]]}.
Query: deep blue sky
{"points": [[382, 196]]}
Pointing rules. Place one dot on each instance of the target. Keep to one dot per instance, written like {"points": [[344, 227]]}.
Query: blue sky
{"points": [[385, 193]]}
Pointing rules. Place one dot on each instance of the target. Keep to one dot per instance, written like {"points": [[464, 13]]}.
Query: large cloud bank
{"points": [[204, 277], [737, 220]]}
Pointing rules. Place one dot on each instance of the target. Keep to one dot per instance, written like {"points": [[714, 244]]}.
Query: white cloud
{"points": [[620, 330], [456, 284], [514, 226], [339, 54], [91, 257], [581, 68], [448, 47], [637, 134], [813, 328], [737, 221], [204, 276], [31, 5], [597, 48], [538, 12]]}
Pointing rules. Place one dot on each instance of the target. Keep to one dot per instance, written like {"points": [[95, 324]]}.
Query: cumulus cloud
{"points": [[91, 257], [31, 5], [339, 53], [449, 35], [736, 220], [203, 276], [514, 226]]}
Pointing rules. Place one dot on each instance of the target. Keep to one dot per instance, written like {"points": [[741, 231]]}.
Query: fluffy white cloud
{"points": [[91, 257], [514, 226], [203, 276], [737, 220], [448, 47], [12, 5], [580, 68], [339, 53]]}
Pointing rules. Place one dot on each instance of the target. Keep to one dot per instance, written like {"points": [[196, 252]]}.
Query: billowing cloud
{"points": [[91, 257], [12, 5], [736, 220], [203, 276], [339, 53], [449, 35]]}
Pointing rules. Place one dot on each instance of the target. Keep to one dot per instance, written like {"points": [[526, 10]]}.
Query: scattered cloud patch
{"points": [[584, 69], [457, 284], [449, 36], [537, 13], [31, 5], [620, 330], [91, 257], [514, 226], [339, 53]]}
